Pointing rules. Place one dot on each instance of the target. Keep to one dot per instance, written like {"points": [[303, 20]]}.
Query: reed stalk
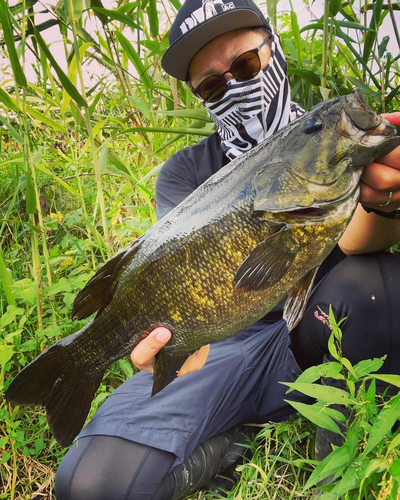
{"points": [[73, 20]]}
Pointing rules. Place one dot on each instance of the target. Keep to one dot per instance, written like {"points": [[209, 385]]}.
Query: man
{"points": [[137, 447]]}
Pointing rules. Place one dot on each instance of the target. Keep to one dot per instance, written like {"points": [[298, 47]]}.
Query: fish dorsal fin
{"points": [[268, 262], [276, 188], [166, 368], [296, 300], [99, 290]]}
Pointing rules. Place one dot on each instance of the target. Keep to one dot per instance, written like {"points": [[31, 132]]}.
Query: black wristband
{"points": [[395, 214]]}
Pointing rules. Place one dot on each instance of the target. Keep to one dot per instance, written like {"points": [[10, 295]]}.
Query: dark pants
{"points": [[127, 450]]}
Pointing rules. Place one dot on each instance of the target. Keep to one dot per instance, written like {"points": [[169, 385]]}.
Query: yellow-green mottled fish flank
{"points": [[251, 236]]}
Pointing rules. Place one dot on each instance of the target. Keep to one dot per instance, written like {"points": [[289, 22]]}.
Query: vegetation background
{"points": [[79, 160]]}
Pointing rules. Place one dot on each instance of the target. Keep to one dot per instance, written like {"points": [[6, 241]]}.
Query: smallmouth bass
{"points": [[252, 235]]}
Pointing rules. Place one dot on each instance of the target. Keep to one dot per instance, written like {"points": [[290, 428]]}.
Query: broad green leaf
{"points": [[31, 206], [97, 3], [271, 10], [383, 46], [135, 59], [349, 366], [367, 366], [372, 35], [8, 101], [305, 74], [357, 471], [5, 17], [391, 379], [12, 130], [334, 6], [315, 414], [333, 463], [394, 444], [325, 93], [330, 369], [5, 280], [10, 315], [126, 367], [66, 82], [325, 393], [62, 285], [297, 37], [117, 16], [141, 105], [394, 469], [291, 48], [360, 85], [383, 424], [77, 7], [156, 47], [103, 159], [6, 353]]}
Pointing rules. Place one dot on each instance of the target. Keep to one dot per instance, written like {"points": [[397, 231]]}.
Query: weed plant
{"points": [[78, 163]]}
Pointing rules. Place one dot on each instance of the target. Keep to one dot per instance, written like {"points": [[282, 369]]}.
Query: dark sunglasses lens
{"points": [[246, 66], [212, 88]]}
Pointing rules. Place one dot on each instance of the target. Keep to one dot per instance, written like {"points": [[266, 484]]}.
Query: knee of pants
{"points": [[363, 283], [111, 468]]}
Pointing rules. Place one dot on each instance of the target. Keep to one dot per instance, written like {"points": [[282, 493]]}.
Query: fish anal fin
{"points": [[295, 302], [98, 291], [268, 263], [166, 368]]}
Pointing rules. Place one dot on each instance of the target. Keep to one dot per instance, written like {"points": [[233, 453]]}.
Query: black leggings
{"points": [[365, 289], [113, 468]]}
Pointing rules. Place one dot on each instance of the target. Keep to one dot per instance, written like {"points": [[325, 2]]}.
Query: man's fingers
{"points": [[381, 177], [143, 354]]}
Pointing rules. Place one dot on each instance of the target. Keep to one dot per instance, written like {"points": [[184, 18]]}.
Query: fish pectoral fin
{"points": [[99, 290], [166, 368], [268, 262], [276, 188], [296, 301]]}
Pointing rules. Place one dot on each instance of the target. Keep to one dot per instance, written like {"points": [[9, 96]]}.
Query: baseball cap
{"points": [[200, 21]]}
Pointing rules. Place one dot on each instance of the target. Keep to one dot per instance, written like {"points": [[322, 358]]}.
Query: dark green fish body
{"points": [[252, 235]]}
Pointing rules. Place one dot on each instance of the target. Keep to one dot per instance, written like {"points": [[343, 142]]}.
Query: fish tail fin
{"points": [[53, 381]]}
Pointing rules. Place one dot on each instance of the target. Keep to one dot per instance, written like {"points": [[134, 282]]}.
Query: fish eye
{"points": [[313, 125]]}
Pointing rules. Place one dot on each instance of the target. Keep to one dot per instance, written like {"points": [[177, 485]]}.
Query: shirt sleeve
{"points": [[174, 183]]}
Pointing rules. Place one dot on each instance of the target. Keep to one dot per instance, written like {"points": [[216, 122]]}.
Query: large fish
{"points": [[251, 236]]}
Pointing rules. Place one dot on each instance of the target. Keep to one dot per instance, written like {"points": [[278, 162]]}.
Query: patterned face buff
{"points": [[253, 110]]}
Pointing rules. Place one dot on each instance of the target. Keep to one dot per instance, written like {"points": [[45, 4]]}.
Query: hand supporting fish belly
{"points": [[251, 236]]}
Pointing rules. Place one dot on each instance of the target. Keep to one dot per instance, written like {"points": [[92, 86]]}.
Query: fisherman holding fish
{"points": [[138, 447]]}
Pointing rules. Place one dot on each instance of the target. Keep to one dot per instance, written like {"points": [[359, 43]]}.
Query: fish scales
{"points": [[251, 236]]}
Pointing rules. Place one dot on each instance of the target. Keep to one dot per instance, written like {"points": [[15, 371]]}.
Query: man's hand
{"points": [[371, 232], [382, 177], [143, 354]]}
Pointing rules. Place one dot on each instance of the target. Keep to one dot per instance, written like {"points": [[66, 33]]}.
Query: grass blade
{"points": [[5, 17], [66, 82]]}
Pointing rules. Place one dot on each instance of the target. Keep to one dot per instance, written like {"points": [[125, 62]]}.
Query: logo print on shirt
{"points": [[209, 8]]}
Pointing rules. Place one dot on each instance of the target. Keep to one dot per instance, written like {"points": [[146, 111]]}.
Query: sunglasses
{"points": [[243, 68]]}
